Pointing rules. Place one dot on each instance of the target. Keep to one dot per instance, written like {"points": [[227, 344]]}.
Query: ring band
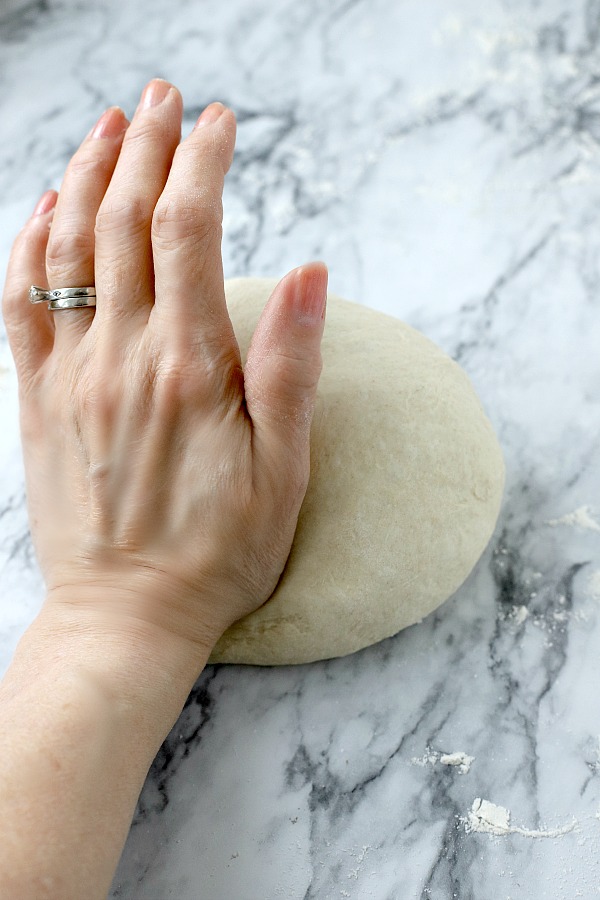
{"points": [[63, 298], [72, 302]]}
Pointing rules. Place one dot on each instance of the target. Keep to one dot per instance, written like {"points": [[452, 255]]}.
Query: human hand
{"points": [[163, 483]]}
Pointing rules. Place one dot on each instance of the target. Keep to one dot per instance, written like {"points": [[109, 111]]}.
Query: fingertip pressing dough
{"points": [[404, 493]]}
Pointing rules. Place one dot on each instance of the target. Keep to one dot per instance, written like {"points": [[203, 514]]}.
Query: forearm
{"points": [[83, 714]]}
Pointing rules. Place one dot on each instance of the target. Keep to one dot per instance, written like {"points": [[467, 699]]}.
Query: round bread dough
{"points": [[404, 492]]}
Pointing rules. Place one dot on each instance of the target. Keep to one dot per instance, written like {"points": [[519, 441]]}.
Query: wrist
{"points": [[145, 674], [85, 707]]}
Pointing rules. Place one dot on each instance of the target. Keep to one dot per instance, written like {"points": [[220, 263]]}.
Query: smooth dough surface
{"points": [[405, 489]]}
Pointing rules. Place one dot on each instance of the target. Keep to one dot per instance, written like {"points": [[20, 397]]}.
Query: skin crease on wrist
{"points": [[163, 481]]}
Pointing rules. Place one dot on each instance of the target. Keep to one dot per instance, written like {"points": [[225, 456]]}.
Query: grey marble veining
{"points": [[442, 158]]}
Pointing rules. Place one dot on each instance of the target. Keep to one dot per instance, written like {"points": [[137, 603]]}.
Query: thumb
{"points": [[284, 360]]}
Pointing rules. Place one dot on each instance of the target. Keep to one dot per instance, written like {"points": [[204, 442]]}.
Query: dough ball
{"points": [[404, 493]]}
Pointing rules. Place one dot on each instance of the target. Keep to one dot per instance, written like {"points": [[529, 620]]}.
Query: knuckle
{"points": [[97, 400], [296, 372], [171, 213], [142, 135], [85, 164], [11, 304], [66, 247], [175, 219], [96, 391], [213, 146], [122, 212], [174, 381], [213, 376]]}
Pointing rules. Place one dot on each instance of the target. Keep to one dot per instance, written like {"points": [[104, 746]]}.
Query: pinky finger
{"points": [[30, 329]]}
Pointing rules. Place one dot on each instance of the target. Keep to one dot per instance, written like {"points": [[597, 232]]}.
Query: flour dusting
{"points": [[581, 517], [461, 760], [488, 818], [353, 873], [429, 758], [519, 614]]}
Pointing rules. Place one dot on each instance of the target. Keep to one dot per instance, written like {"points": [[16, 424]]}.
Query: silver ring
{"points": [[63, 298], [72, 302]]}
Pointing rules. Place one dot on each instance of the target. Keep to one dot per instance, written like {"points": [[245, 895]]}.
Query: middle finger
{"points": [[124, 269]]}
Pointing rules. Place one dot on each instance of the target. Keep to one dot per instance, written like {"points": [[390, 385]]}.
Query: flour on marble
{"points": [[462, 761], [429, 758], [459, 759], [489, 818], [353, 873], [519, 614], [581, 518]]}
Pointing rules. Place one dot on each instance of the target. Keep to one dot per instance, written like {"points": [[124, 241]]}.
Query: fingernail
{"points": [[311, 295], [210, 115], [46, 202], [111, 124], [154, 93]]}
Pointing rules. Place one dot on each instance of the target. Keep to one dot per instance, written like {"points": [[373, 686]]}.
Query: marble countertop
{"points": [[442, 158]]}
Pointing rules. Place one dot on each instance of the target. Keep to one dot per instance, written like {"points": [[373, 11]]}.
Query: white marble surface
{"points": [[442, 157]]}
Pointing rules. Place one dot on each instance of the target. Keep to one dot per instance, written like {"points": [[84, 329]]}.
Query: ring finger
{"points": [[70, 252]]}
